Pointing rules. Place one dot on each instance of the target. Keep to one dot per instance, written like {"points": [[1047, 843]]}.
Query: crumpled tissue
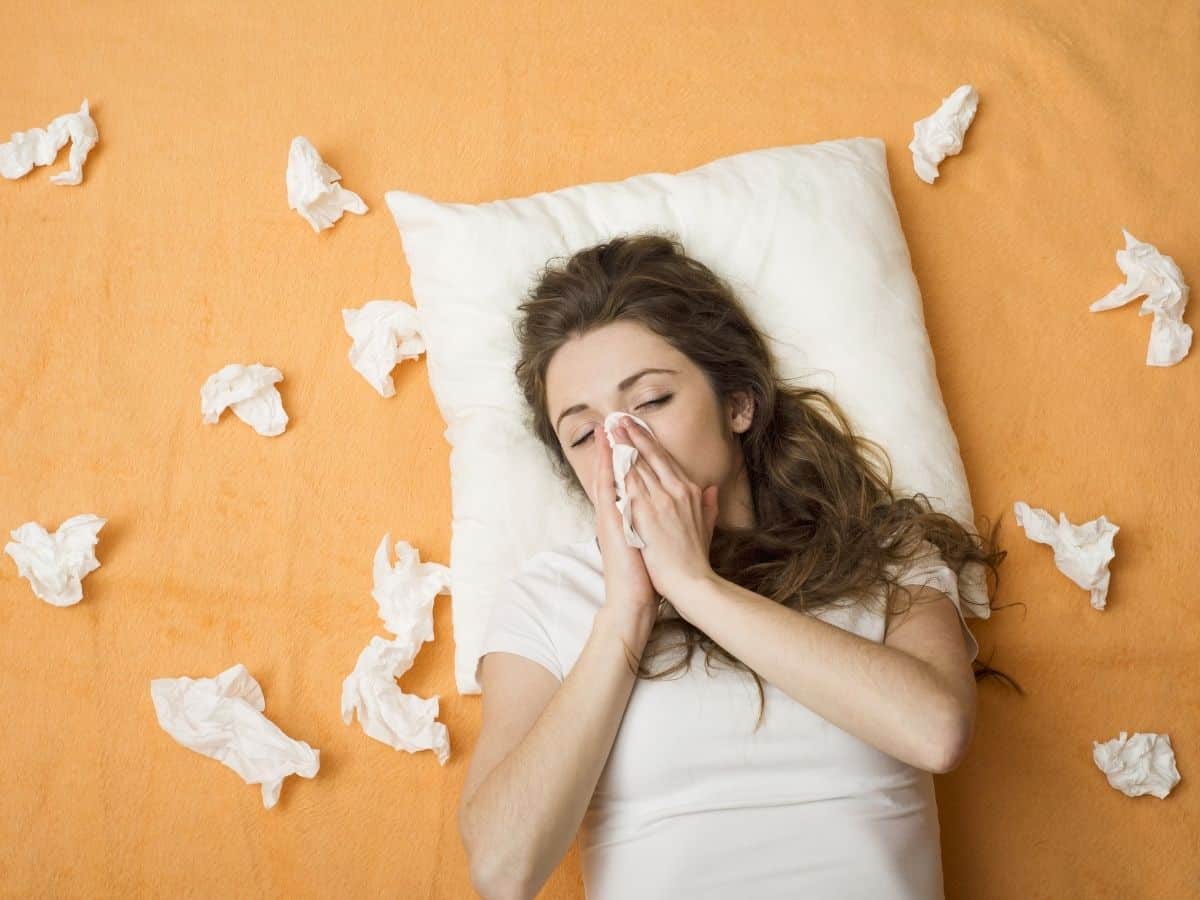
{"points": [[55, 564], [385, 332], [313, 190], [1142, 764], [940, 135], [251, 391], [39, 146], [222, 718], [1158, 277], [624, 456], [1081, 552], [402, 721], [405, 595], [406, 590]]}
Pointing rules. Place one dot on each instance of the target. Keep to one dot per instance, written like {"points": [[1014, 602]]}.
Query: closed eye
{"points": [[657, 402]]}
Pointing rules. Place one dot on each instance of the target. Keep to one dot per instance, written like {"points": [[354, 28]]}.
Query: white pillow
{"points": [[808, 235]]}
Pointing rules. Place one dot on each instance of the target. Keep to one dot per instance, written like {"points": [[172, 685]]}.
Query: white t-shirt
{"points": [[693, 803]]}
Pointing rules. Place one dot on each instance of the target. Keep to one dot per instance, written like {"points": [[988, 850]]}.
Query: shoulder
{"points": [[923, 560], [563, 587], [561, 563], [926, 570], [566, 574]]}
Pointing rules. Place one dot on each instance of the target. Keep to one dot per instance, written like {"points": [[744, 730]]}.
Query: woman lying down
{"points": [[773, 547]]}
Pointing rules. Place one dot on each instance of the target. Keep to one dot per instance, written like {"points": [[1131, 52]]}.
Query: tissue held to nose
{"points": [[624, 456]]}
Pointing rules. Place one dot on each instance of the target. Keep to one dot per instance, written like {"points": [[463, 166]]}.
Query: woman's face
{"points": [[591, 376]]}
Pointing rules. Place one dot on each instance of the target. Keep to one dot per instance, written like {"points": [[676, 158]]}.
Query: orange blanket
{"points": [[178, 254]]}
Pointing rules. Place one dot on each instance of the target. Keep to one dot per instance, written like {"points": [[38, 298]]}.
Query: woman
{"points": [[773, 546]]}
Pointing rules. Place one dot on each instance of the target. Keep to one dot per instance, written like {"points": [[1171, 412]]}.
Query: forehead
{"points": [[588, 367]]}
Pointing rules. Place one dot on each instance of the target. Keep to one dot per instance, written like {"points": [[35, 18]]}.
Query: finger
{"points": [[665, 468], [635, 485], [604, 473], [710, 508], [642, 502], [649, 478], [699, 514]]}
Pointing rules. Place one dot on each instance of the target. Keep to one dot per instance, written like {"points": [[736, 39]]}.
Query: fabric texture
{"points": [[692, 802], [178, 254], [809, 238]]}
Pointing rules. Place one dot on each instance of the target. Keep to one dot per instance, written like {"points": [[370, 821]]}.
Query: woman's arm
{"points": [[893, 700], [521, 820]]}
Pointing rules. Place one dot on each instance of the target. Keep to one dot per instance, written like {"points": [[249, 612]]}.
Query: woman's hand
{"points": [[673, 516], [627, 586]]}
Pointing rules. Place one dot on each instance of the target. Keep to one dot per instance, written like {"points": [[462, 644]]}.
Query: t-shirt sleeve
{"points": [[928, 568], [523, 621]]}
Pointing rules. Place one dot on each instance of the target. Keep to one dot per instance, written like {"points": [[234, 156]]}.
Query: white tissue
{"points": [[56, 563], [1158, 277], [624, 456], [1142, 764], [313, 190], [1081, 552], [405, 591], [940, 135], [405, 595], [222, 718], [39, 146], [385, 332], [251, 391], [402, 721]]}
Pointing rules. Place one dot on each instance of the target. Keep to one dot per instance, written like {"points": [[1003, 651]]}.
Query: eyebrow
{"points": [[625, 385]]}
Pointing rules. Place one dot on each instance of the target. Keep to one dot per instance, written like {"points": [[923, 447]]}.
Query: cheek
{"points": [[583, 462], [702, 455]]}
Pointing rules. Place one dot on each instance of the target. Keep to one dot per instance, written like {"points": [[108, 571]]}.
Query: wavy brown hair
{"points": [[828, 523]]}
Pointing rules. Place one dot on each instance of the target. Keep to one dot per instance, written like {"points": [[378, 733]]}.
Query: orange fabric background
{"points": [[178, 254]]}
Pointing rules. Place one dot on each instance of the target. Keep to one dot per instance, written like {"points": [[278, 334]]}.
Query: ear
{"points": [[740, 409]]}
